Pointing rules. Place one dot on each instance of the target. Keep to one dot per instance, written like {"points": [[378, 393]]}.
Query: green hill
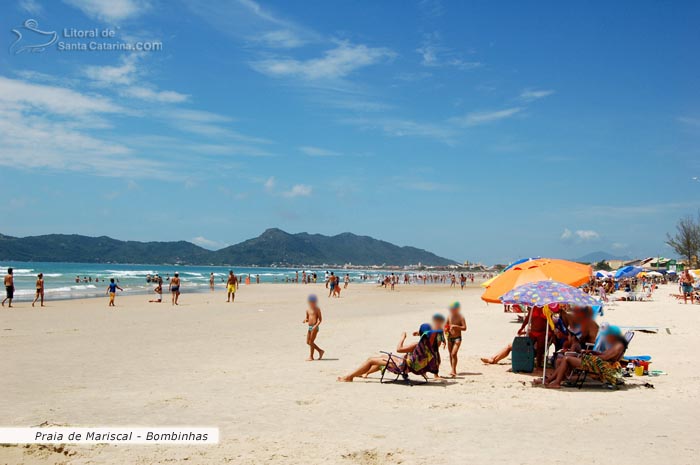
{"points": [[274, 246]]}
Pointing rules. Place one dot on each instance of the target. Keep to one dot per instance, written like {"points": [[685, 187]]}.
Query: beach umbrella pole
{"points": [[546, 352]]}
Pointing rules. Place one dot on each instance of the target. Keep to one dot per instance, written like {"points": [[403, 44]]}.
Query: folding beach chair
{"points": [[424, 359], [581, 375]]}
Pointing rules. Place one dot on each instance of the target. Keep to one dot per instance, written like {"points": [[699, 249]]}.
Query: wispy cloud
{"points": [[110, 10], [127, 79], [530, 95], [433, 54], [405, 128], [335, 63], [689, 121], [484, 117], [318, 152], [32, 7], [248, 20], [207, 243], [298, 190], [270, 184]]}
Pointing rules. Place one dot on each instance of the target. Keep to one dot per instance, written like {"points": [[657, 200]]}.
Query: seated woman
{"points": [[374, 364], [605, 364]]}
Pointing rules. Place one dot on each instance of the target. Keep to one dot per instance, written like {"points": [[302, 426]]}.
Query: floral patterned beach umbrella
{"points": [[543, 293]]}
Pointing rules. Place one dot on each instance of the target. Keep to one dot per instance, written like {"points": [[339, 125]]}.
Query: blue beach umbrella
{"points": [[518, 262], [628, 272]]}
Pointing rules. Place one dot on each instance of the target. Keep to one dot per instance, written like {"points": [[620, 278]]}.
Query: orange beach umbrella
{"points": [[541, 269]]}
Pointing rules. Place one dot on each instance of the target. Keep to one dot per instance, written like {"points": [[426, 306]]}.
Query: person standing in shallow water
{"points": [[9, 288]]}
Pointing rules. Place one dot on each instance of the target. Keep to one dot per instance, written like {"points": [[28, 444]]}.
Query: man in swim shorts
{"points": [[687, 287], [231, 286], [175, 288], [331, 283], [9, 288]]}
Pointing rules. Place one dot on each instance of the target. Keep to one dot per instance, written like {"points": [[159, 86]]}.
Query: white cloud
{"points": [[477, 118], [530, 95], [207, 243], [580, 235], [298, 190], [587, 235], [127, 80], [110, 10], [16, 93], [162, 96], [318, 152], [248, 20], [270, 184], [405, 128], [435, 55], [334, 64], [689, 121], [31, 6]]}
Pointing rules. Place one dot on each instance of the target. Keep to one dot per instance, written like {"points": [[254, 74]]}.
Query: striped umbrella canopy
{"points": [[543, 293]]}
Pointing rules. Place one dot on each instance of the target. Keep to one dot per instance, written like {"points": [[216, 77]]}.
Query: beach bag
{"points": [[523, 355]]}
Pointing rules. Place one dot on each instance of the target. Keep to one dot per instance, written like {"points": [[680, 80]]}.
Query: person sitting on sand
{"points": [[606, 364], [313, 320], [159, 294], [374, 364], [454, 327]]}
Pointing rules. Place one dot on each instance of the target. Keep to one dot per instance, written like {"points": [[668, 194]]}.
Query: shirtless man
{"points": [[9, 288], [175, 288], [455, 325], [39, 289], [231, 286], [313, 320]]}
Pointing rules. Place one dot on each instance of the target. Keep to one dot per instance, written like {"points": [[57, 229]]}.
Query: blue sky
{"points": [[478, 130]]}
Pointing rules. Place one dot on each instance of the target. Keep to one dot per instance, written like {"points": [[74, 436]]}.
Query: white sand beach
{"points": [[241, 368]]}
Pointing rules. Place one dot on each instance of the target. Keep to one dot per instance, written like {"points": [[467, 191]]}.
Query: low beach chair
{"points": [[424, 359], [579, 376]]}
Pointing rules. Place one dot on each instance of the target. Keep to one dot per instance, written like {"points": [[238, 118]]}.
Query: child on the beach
{"points": [[159, 294], [313, 320], [112, 291], [454, 327]]}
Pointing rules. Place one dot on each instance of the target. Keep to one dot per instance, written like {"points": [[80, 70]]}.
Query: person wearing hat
{"points": [[374, 364], [175, 288]]}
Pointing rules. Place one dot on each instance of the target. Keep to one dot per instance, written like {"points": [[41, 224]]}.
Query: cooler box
{"points": [[523, 355]]}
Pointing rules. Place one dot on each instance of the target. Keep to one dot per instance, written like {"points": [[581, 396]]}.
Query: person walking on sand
{"points": [[175, 288], [112, 291], [231, 286], [313, 320], [39, 289], [9, 288], [211, 281], [347, 281]]}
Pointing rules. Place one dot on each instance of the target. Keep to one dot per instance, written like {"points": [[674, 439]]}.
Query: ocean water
{"points": [[60, 278]]}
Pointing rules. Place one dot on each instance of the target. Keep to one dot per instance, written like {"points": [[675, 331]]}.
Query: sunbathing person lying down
{"points": [[374, 364]]}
